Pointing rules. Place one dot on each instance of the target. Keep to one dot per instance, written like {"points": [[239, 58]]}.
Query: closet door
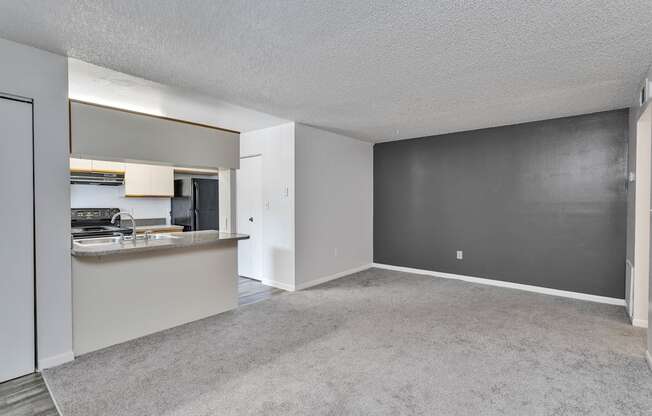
{"points": [[17, 242]]}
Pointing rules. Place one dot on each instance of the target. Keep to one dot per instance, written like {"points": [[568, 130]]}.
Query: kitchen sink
{"points": [[100, 241], [158, 237]]}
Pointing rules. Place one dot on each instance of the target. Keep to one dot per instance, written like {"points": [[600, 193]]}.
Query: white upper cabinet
{"points": [[162, 178], [104, 166], [137, 179], [140, 179], [87, 165], [81, 165], [149, 180]]}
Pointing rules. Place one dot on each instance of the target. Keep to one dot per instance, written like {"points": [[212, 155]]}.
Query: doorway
{"points": [[17, 283], [637, 285], [249, 198]]}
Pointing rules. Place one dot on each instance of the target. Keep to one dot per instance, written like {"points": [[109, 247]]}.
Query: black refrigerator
{"points": [[195, 205]]}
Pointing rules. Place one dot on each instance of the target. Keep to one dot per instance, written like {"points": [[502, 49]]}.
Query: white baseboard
{"points": [[278, 285], [510, 285], [639, 323], [648, 358], [328, 278], [55, 360]]}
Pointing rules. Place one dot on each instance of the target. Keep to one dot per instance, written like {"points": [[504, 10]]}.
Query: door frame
{"points": [[637, 296], [262, 211], [30, 101]]}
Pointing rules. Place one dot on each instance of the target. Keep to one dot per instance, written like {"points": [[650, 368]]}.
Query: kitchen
{"points": [[94, 143], [160, 198], [151, 245]]}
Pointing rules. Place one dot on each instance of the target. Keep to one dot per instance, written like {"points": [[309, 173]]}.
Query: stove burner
{"points": [[95, 222]]}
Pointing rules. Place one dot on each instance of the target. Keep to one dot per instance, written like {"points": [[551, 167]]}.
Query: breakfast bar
{"points": [[125, 289]]}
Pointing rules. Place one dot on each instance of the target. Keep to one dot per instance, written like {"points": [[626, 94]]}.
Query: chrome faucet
{"points": [[133, 225]]}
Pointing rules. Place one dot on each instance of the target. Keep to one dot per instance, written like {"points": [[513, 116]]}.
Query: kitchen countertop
{"points": [[187, 239]]}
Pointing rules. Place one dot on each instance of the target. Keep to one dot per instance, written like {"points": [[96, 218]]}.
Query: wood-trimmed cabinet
{"points": [[81, 165], [149, 180], [108, 167], [88, 165]]}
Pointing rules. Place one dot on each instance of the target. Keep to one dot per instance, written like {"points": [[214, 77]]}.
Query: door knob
{"points": [[251, 219]]}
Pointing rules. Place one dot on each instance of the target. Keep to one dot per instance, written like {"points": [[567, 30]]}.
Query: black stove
{"points": [[95, 222]]}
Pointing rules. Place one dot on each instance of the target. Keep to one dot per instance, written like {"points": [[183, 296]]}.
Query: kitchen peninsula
{"points": [[125, 289]]}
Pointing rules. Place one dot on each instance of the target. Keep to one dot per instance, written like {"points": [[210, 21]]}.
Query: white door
{"points": [[17, 245], [249, 199]]}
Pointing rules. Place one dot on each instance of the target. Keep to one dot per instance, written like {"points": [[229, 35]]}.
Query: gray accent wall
{"points": [[540, 203]]}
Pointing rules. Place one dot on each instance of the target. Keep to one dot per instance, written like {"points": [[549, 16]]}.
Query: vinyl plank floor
{"points": [[252, 291], [26, 396]]}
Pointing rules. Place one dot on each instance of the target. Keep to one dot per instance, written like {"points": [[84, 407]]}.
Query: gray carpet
{"points": [[377, 342]]}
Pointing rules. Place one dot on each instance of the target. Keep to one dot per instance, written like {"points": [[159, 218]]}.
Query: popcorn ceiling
{"points": [[364, 69]]}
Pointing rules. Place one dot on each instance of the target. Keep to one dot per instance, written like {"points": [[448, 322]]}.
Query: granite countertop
{"points": [[179, 240]]}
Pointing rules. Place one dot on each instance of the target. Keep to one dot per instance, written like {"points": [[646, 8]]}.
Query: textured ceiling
{"points": [[96, 84], [375, 70]]}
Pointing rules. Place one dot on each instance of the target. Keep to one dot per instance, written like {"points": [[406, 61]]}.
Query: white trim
{"points": [[629, 306], [251, 155], [278, 285], [16, 97], [510, 285], [328, 278], [55, 360], [54, 400], [639, 323], [648, 358]]}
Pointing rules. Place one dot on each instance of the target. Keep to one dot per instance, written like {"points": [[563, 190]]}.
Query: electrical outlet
{"points": [[460, 254], [335, 252], [266, 204]]}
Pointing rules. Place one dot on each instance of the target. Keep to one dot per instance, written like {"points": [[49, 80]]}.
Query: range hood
{"points": [[97, 178]]}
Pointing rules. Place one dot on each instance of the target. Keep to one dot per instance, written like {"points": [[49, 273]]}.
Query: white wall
{"points": [[334, 204], [276, 145], [43, 76], [96, 196], [323, 227]]}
